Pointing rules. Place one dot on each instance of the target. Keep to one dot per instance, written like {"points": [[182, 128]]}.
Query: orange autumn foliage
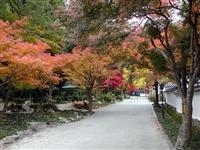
{"points": [[22, 63], [124, 54], [84, 67]]}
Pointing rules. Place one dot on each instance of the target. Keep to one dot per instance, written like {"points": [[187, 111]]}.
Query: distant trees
{"points": [[114, 81], [91, 23]]}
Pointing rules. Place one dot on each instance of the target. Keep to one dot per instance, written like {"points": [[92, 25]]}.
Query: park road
{"points": [[127, 125]]}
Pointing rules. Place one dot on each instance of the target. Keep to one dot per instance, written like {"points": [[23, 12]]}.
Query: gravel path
{"points": [[128, 125]]}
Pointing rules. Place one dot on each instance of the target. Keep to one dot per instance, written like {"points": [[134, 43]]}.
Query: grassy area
{"points": [[11, 123], [171, 124]]}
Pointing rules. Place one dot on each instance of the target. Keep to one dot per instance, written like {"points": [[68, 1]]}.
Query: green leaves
{"points": [[6, 11], [158, 62], [100, 10], [42, 23]]}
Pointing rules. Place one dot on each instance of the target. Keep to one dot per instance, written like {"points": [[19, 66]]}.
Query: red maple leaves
{"points": [[114, 81]]}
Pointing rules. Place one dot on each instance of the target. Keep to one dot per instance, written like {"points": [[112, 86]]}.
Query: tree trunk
{"points": [[60, 92], [156, 103], [8, 95], [41, 99], [89, 97], [50, 91], [185, 130]]}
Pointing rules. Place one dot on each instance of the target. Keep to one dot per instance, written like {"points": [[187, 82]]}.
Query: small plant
{"points": [[59, 99], [108, 97], [152, 97], [119, 97], [171, 125]]}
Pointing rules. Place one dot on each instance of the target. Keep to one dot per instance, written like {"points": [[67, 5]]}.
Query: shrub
{"points": [[109, 98], [119, 97], [152, 97], [58, 99]]}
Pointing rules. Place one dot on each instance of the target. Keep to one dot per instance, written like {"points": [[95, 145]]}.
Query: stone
{"points": [[63, 120], [51, 111], [26, 107], [10, 139], [37, 126]]}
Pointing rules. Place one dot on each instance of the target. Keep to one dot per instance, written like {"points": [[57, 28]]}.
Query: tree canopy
{"points": [[42, 21]]}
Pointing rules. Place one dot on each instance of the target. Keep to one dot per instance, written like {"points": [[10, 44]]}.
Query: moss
{"points": [[11, 123], [171, 124]]}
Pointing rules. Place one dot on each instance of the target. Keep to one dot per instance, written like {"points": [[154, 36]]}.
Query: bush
{"points": [[76, 96], [152, 97], [109, 98], [119, 97], [58, 99]]}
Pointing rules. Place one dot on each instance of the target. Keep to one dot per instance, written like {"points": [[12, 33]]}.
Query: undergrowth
{"points": [[171, 124]]}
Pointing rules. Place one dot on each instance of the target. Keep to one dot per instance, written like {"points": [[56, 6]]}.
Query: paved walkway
{"points": [[128, 125]]}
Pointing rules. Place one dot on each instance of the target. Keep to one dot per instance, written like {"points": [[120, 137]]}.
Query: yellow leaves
{"points": [[140, 77], [140, 83], [147, 75], [127, 73]]}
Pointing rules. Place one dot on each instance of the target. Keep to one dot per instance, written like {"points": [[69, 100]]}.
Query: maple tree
{"points": [[142, 77], [138, 78], [23, 64], [114, 81], [164, 41], [84, 68]]}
